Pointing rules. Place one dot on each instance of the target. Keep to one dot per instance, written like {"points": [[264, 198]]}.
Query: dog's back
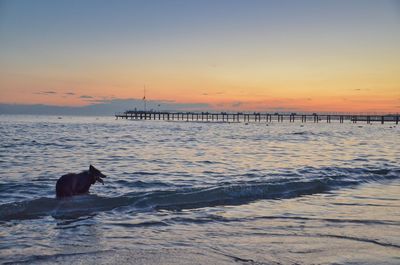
{"points": [[73, 184]]}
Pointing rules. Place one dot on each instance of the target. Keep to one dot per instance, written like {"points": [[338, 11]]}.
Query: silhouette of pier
{"points": [[228, 117]]}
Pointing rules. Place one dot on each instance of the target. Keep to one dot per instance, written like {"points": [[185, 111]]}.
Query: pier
{"points": [[229, 117]]}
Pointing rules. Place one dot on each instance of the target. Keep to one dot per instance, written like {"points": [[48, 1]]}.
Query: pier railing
{"points": [[254, 117]]}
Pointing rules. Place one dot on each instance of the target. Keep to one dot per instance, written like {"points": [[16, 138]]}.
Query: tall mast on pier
{"points": [[144, 97]]}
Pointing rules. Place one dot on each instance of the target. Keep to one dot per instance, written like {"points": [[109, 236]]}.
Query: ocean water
{"points": [[200, 193]]}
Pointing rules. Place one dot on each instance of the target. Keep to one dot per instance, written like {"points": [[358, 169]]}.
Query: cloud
{"points": [[110, 106], [69, 94], [98, 100], [86, 97], [49, 92], [359, 89], [107, 107], [216, 93], [236, 104]]}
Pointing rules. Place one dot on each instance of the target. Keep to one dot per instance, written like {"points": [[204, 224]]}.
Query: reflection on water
{"points": [[77, 235]]}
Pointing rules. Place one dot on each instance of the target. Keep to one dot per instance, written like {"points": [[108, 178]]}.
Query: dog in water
{"points": [[77, 184]]}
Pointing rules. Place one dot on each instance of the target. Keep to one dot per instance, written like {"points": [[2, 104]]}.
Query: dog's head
{"points": [[96, 175]]}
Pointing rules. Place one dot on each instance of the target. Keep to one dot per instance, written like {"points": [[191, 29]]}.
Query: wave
{"points": [[188, 198]]}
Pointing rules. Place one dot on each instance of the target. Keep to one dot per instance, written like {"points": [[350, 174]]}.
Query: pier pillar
{"points": [[383, 119], [328, 118]]}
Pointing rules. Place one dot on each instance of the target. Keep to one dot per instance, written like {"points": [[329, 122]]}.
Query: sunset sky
{"points": [[338, 56]]}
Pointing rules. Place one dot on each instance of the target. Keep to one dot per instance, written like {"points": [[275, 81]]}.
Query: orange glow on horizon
{"points": [[236, 99]]}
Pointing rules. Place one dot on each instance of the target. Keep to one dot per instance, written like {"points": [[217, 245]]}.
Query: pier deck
{"points": [[254, 117]]}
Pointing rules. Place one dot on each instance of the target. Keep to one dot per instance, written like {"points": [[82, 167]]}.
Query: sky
{"points": [[238, 55]]}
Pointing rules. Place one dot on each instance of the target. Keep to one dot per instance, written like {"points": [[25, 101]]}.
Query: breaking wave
{"points": [[326, 180]]}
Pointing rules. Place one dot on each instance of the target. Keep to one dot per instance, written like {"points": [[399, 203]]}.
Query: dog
{"points": [[76, 184]]}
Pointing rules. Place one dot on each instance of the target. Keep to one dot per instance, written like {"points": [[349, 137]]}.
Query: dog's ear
{"points": [[91, 168]]}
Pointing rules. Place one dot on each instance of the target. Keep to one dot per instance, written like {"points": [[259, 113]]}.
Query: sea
{"points": [[200, 193]]}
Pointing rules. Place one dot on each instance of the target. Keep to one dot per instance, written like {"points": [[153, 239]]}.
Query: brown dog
{"points": [[75, 184]]}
